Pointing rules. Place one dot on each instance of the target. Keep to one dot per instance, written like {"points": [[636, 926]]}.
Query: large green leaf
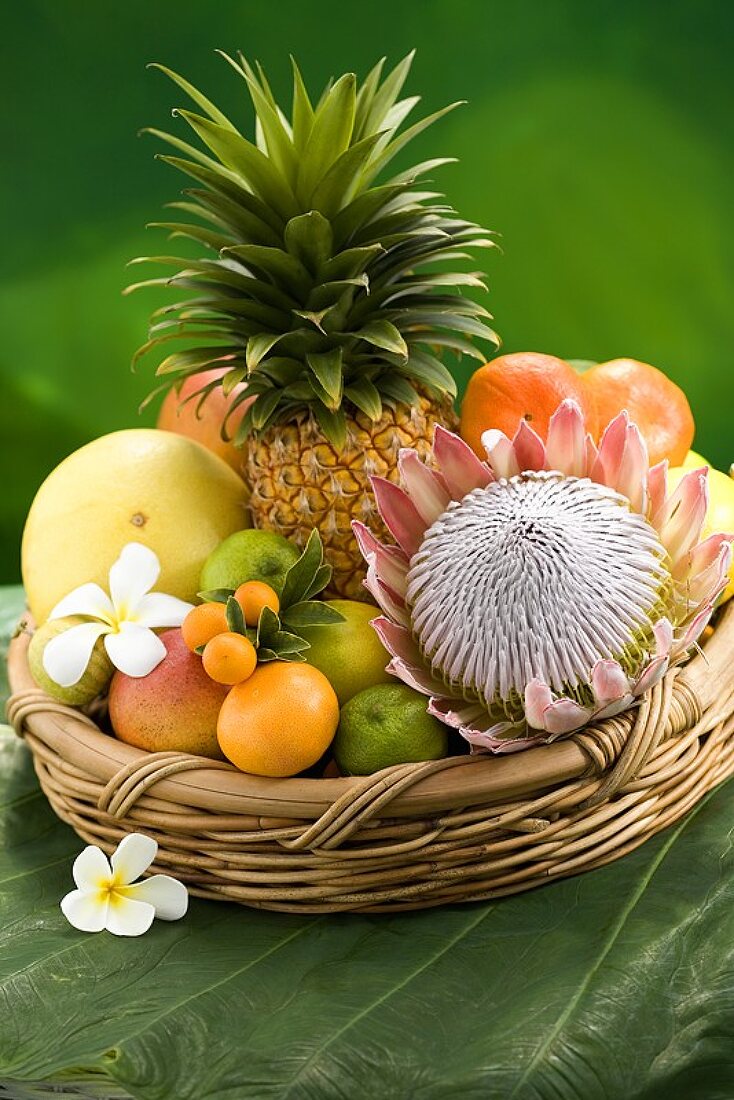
{"points": [[617, 984]]}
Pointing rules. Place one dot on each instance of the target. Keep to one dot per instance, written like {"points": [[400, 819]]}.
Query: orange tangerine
{"points": [[525, 385], [203, 623], [280, 721], [229, 658], [253, 596], [658, 407]]}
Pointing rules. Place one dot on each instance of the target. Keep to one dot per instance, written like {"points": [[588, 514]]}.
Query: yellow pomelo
{"points": [[350, 654], [694, 461], [139, 485], [720, 512]]}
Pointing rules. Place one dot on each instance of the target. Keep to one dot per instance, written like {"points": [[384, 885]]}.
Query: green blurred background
{"points": [[597, 139]]}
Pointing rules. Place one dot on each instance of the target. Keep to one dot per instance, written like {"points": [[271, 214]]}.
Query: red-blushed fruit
{"points": [[280, 721], [525, 385], [206, 428], [173, 708]]}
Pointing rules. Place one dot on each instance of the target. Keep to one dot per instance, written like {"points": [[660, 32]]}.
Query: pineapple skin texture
{"points": [[300, 481]]}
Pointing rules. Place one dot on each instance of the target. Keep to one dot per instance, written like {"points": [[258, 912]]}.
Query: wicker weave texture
{"points": [[412, 836]]}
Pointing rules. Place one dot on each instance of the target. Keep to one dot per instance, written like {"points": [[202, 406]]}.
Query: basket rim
{"points": [[224, 789]]}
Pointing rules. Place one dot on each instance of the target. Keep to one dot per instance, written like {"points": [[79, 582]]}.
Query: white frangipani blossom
{"points": [[126, 618], [108, 897]]}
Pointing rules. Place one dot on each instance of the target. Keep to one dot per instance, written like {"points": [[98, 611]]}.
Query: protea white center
{"points": [[500, 590], [548, 586]]}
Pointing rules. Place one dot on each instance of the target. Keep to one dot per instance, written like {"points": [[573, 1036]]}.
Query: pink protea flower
{"points": [[549, 586]]}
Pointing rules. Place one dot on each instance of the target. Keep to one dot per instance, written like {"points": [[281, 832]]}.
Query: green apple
{"points": [[349, 654]]}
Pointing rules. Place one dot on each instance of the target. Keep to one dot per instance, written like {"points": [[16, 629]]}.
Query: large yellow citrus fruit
{"points": [[720, 511], [139, 485]]}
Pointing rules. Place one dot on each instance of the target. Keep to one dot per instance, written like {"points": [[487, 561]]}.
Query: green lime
{"points": [[249, 556], [95, 677], [387, 724], [349, 654]]}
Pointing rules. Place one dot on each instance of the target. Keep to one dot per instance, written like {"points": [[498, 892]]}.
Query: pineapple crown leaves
{"points": [[277, 636], [319, 283]]}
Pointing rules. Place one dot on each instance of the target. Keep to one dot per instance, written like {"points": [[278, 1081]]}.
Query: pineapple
{"points": [[327, 290]]}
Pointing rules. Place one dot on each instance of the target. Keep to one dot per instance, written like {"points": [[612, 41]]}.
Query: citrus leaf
{"points": [[235, 617], [311, 613], [322, 576], [216, 595], [268, 625], [302, 573]]}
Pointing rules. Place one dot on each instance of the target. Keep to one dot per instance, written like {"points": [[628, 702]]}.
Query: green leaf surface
{"points": [[301, 575], [616, 984], [311, 613], [235, 618]]}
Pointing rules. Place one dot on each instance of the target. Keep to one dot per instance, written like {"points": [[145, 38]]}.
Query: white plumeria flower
{"points": [[126, 618], [108, 897]]}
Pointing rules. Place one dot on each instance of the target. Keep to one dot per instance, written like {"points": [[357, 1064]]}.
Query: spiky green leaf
{"points": [[383, 334], [365, 395], [328, 370], [309, 238], [330, 134]]}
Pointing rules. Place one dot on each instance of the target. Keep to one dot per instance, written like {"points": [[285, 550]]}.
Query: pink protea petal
{"points": [[400, 515], [663, 634], [390, 562], [565, 448], [366, 541], [564, 716], [608, 682], [611, 451], [657, 487], [459, 465], [417, 678], [390, 601], [617, 706], [654, 672], [592, 454], [457, 713], [397, 640], [683, 514], [703, 555], [500, 453], [529, 448], [391, 567], [426, 488], [538, 697], [631, 479], [692, 630], [706, 586], [491, 740]]}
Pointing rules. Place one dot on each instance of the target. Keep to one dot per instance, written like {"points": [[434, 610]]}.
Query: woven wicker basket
{"points": [[412, 836]]}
